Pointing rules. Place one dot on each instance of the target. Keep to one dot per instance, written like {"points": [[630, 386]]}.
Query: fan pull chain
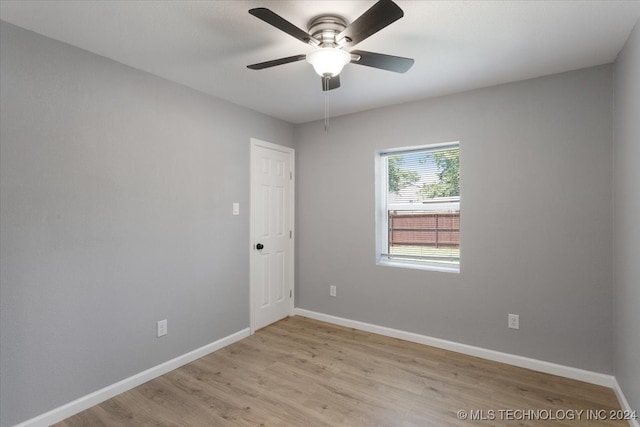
{"points": [[326, 103]]}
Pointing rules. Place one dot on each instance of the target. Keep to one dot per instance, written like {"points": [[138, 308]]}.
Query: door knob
{"points": [[259, 246]]}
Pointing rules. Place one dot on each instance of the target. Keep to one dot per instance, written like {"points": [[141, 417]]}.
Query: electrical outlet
{"points": [[332, 291], [162, 327], [514, 321]]}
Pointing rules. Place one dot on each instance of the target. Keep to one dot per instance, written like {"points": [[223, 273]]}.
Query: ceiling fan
{"points": [[331, 34]]}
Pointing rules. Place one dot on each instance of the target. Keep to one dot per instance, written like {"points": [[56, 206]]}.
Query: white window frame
{"points": [[382, 218]]}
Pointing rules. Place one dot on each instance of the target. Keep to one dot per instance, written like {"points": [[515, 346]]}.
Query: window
{"points": [[418, 207]]}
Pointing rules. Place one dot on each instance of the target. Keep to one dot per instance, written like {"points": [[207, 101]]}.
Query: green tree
{"points": [[399, 178], [448, 185]]}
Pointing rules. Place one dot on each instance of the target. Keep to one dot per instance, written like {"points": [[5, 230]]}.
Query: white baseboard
{"points": [[624, 403], [85, 402], [497, 356]]}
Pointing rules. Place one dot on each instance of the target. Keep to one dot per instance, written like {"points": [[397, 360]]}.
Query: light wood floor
{"points": [[301, 372]]}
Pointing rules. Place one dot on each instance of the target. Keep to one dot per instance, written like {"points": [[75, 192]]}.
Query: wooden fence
{"points": [[424, 229]]}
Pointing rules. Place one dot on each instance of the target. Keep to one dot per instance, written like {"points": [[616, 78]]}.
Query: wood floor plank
{"points": [[302, 372]]}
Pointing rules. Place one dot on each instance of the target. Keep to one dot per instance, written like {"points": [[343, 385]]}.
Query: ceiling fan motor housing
{"points": [[325, 29]]}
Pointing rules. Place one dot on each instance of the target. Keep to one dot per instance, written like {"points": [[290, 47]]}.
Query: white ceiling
{"points": [[457, 45]]}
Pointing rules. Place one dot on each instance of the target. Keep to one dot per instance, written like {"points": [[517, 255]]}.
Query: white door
{"points": [[271, 233]]}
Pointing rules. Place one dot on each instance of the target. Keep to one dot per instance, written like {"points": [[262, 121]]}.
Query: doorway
{"points": [[272, 245]]}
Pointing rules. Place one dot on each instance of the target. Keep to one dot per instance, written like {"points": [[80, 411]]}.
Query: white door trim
{"points": [[252, 238]]}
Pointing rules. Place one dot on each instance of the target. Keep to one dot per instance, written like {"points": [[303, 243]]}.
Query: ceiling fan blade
{"points": [[397, 64], [280, 23], [332, 83], [381, 14], [273, 63]]}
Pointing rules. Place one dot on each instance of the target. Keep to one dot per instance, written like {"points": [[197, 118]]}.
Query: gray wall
{"points": [[535, 153], [626, 178], [116, 194]]}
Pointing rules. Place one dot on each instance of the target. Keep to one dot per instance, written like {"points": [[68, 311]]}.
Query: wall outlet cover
{"points": [[162, 328], [514, 321]]}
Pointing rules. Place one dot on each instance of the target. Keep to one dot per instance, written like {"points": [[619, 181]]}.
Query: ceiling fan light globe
{"points": [[328, 61]]}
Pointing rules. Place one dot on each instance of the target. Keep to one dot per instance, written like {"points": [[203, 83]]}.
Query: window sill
{"points": [[419, 266]]}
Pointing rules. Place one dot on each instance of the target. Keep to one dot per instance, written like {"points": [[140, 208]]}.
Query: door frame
{"points": [[254, 142]]}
